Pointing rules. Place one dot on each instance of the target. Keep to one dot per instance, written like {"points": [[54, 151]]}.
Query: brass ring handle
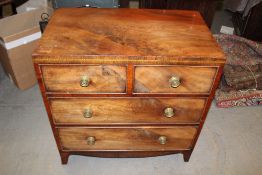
{"points": [[91, 140], [162, 140], [174, 81], [85, 81], [88, 113], [169, 112]]}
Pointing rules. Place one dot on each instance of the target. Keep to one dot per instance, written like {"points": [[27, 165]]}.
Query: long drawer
{"points": [[144, 139], [174, 79], [108, 111], [84, 79]]}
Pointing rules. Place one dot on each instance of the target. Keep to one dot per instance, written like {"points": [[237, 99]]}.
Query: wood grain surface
{"points": [[139, 139], [66, 79], [112, 111], [129, 56], [127, 36], [155, 79]]}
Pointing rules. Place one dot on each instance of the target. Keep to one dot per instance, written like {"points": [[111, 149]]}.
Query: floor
{"points": [[228, 145]]}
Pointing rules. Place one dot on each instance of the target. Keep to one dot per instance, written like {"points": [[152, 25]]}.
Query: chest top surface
{"points": [[82, 35]]}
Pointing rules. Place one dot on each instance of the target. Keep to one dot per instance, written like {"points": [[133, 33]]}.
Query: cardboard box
{"points": [[19, 35]]}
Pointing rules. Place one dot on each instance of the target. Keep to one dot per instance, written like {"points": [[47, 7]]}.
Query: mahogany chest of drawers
{"points": [[127, 82]]}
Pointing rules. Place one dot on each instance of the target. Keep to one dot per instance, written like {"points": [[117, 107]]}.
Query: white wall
{"points": [[31, 4]]}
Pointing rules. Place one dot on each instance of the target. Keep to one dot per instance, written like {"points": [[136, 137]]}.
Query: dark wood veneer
{"points": [[205, 7]]}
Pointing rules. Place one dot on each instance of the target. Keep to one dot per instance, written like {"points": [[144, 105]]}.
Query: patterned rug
{"points": [[241, 84]]}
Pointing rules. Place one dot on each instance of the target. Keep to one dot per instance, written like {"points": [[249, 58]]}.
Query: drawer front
{"points": [[148, 139], [84, 79], [184, 79], [108, 111]]}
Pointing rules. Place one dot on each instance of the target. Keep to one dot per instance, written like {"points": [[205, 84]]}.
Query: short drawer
{"points": [[84, 79], [146, 139], [101, 111], [174, 79]]}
